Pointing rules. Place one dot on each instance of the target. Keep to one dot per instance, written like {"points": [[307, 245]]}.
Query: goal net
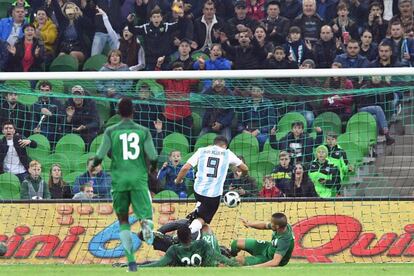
{"points": [[331, 151]]}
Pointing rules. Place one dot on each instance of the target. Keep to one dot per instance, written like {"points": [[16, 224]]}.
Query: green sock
{"points": [[233, 247], [126, 240]]}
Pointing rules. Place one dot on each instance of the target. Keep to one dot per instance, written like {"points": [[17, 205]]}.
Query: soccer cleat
{"points": [[147, 234], [132, 267]]}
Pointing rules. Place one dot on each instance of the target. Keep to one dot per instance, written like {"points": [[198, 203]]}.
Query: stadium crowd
{"points": [[202, 35]]}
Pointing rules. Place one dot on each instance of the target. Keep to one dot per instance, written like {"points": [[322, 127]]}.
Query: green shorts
{"points": [[257, 249], [140, 201]]}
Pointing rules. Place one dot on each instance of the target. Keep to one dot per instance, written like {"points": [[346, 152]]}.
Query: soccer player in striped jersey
{"points": [[130, 145], [212, 165]]}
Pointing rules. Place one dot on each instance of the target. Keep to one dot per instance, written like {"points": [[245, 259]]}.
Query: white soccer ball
{"points": [[231, 199]]}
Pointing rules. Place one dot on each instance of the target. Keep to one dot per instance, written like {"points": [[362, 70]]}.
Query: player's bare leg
{"points": [[126, 240]]}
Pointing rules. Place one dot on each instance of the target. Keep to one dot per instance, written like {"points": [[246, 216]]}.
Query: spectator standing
{"points": [[218, 119], [309, 21], [247, 54], [48, 114], [184, 50], [240, 22], [207, 28], [114, 88], [343, 27], [177, 108], [157, 35], [46, 31], [298, 49], [216, 62], [15, 112], [27, 55], [300, 184], [73, 27], [326, 9], [13, 155], [276, 26], [4, 55], [269, 189], [97, 178], [187, 31], [28, 9], [258, 117], [337, 155], [33, 186], [369, 49], [11, 28], [326, 48], [268, 47], [112, 9], [324, 175], [376, 24], [81, 115], [405, 16], [279, 61], [58, 188]]}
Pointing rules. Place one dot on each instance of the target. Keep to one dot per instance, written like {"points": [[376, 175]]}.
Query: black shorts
{"points": [[207, 206]]}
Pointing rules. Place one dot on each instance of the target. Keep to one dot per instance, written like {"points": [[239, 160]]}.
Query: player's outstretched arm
{"points": [[272, 263], [183, 172], [166, 260], [260, 225]]}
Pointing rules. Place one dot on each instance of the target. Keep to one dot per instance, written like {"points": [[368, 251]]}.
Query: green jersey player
{"points": [[192, 253], [263, 253], [130, 144]]}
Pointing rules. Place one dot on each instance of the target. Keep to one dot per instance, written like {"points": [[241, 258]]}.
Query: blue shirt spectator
{"points": [[352, 58], [97, 178], [11, 28]]}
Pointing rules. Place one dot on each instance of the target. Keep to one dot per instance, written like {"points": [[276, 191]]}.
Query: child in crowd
{"points": [[86, 192], [282, 173], [324, 175], [296, 49], [34, 187], [337, 155], [269, 189], [169, 172]]}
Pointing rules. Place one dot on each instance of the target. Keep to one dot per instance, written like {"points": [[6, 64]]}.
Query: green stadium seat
{"points": [[81, 162], [197, 54], [64, 63], [156, 88], [104, 110], [73, 146], [186, 157], [9, 187], [27, 99], [71, 177], [177, 141], [329, 121], [166, 195], [113, 120], [205, 140], [285, 124], [4, 7], [258, 176], [197, 122], [42, 150], [191, 196], [96, 143], [245, 145], [94, 63], [362, 128]]}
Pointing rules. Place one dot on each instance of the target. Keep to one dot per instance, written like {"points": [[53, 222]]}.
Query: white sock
{"points": [[195, 226]]}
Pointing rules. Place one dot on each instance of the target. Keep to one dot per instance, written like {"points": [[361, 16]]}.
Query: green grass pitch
{"points": [[290, 269]]}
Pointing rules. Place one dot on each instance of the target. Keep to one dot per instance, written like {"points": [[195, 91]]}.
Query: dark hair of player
{"points": [[280, 219], [125, 107], [184, 234], [220, 140]]}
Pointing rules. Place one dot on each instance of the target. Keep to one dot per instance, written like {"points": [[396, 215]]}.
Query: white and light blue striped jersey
{"points": [[212, 164]]}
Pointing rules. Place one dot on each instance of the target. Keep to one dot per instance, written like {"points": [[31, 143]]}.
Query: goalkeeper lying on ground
{"points": [[192, 253]]}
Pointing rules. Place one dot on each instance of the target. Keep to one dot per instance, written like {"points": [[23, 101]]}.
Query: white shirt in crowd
{"points": [[212, 164], [12, 162]]}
